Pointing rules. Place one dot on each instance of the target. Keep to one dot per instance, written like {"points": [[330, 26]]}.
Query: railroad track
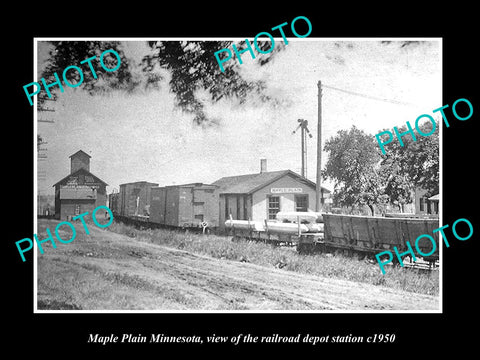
{"points": [[280, 240]]}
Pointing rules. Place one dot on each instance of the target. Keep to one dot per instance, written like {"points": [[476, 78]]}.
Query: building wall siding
{"points": [[69, 196], [73, 207], [254, 206], [101, 198], [80, 162], [287, 200]]}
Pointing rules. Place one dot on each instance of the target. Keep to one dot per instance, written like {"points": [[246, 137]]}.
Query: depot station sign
{"points": [[286, 190]]}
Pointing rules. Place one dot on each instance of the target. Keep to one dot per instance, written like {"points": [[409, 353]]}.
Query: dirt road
{"points": [[108, 271]]}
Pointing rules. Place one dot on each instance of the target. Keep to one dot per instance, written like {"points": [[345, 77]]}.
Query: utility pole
{"points": [[41, 108], [303, 125], [318, 205]]}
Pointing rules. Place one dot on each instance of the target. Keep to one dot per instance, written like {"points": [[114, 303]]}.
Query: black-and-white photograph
{"points": [[224, 175]]}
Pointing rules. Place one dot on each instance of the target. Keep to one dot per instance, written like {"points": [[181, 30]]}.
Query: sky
{"points": [[145, 137]]}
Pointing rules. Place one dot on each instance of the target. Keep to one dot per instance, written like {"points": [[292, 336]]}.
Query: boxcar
{"points": [[134, 198], [187, 205]]}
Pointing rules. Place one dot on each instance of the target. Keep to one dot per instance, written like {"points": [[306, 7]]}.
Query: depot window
{"points": [[301, 202], [273, 206]]}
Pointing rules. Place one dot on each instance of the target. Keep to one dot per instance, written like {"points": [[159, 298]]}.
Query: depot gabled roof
{"points": [[250, 183], [97, 179]]}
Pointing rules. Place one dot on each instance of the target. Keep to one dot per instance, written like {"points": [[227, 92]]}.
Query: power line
{"points": [[368, 96]]}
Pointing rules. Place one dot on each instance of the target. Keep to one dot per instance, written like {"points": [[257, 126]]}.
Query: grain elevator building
{"points": [[80, 191]]}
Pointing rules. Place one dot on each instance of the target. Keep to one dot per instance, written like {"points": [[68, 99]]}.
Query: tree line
{"points": [[362, 176]]}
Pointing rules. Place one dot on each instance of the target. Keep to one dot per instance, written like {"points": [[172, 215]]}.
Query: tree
{"points": [[414, 165], [398, 187], [353, 162], [192, 66], [66, 53]]}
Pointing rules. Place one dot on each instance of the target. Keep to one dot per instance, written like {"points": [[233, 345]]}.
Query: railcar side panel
{"points": [[373, 234]]}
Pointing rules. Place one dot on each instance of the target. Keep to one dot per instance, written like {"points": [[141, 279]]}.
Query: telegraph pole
{"points": [[303, 125], [318, 205], [303, 150]]}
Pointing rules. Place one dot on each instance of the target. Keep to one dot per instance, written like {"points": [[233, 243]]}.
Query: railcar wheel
{"points": [[236, 238], [304, 248], [319, 247]]}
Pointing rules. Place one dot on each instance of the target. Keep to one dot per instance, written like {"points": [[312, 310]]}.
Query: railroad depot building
{"points": [[80, 191], [261, 196]]}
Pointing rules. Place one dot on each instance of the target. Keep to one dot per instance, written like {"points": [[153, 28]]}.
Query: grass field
{"points": [[122, 268], [327, 265]]}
